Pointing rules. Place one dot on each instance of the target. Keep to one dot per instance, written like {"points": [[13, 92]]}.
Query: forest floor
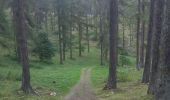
{"points": [[79, 78], [129, 86], [82, 90]]}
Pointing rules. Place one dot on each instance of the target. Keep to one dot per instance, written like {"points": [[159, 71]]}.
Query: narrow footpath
{"points": [[82, 90]]}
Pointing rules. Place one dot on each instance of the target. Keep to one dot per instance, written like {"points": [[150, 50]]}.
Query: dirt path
{"points": [[82, 90]]}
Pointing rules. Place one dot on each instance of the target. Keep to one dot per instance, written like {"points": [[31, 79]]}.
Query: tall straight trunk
{"points": [[96, 29], [60, 30], [60, 44], [147, 67], [141, 63], [64, 41], [52, 21], [101, 40], [80, 39], [138, 33], [132, 28], [130, 36], [163, 89], [20, 27], [71, 47], [18, 54], [157, 29], [60, 36], [71, 27], [123, 27], [46, 21], [87, 35], [112, 78]]}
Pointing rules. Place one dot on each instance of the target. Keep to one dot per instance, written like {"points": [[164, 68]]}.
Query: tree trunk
{"points": [[60, 46], [52, 20], [163, 88], [71, 36], [123, 27], [157, 29], [20, 27], [80, 39], [64, 41], [130, 35], [147, 67], [60, 37], [46, 21], [101, 40], [96, 29], [142, 36], [87, 35], [112, 79], [71, 47], [137, 36]]}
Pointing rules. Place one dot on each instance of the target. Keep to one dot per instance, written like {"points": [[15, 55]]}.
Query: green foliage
{"points": [[3, 23], [124, 60], [129, 84], [123, 57], [50, 77], [123, 51], [93, 36], [43, 49], [123, 76]]}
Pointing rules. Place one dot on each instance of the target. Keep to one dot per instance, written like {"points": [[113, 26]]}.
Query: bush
{"points": [[123, 76], [43, 49], [124, 60], [123, 51]]}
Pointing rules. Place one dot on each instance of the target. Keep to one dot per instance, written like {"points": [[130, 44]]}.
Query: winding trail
{"points": [[82, 90]]}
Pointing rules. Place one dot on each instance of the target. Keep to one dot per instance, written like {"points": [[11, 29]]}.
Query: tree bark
{"points": [[123, 28], [130, 35], [101, 40], [60, 36], [71, 47], [64, 41], [71, 35], [142, 36], [20, 27], [137, 36], [87, 35], [80, 39], [112, 79], [163, 88], [147, 67], [60, 45], [157, 21]]}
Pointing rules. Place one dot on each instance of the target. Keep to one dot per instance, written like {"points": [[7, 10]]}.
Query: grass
{"points": [[129, 84], [49, 78], [45, 77], [53, 77]]}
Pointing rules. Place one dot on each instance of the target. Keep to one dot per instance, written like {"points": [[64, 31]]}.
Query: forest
{"points": [[84, 49]]}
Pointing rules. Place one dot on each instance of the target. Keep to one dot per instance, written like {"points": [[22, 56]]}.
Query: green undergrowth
{"points": [[129, 83], [45, 77], [48, 77]]}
